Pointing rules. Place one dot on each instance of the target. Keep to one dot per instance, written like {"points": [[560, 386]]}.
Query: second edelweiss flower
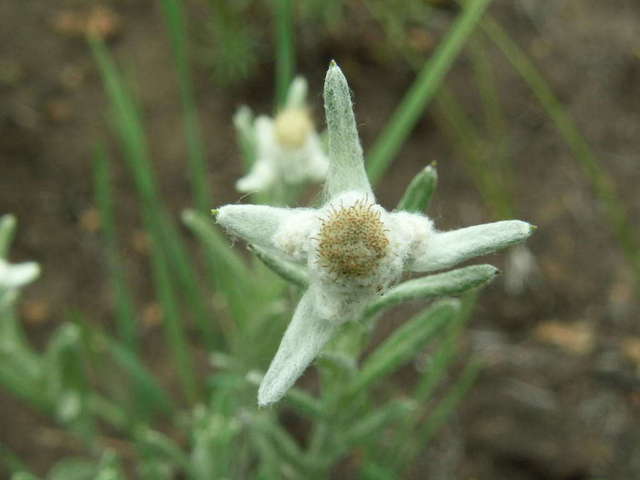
{"points": [[287, 148], [353, 248]]}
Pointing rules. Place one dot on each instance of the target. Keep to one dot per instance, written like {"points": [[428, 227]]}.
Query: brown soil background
{"points": [[560, 395]]}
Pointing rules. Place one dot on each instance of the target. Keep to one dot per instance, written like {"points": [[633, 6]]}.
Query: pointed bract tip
{"points": [[332, 63], [214, 212], [533, 227], [434, 164]]}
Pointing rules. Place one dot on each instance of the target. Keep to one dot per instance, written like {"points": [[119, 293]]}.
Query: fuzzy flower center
{"points": [[352, 241], [292, 127]]}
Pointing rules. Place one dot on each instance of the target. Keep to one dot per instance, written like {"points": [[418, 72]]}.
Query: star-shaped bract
{"points": [[353, 248]]}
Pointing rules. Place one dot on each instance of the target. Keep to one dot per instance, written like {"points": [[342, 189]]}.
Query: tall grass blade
{"points": [[125, 315], [129, 127], [405, 342], [174, 15], [285, 49], [422, 91], [175, 334]]}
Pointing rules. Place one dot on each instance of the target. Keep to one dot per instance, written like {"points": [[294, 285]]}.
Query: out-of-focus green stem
{"points": [[285, 49]]}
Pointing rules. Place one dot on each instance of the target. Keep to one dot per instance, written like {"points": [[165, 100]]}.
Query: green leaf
{"points": [[289, 271], [418, 194], [7, 231], [169, 248], [73, 469], [157, 444], [405, 343], [453, 282], [175, 18]]}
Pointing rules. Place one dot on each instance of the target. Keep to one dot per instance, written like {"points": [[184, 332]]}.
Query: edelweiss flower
{"points": [[287, 148], [12, 276], [353, 248]]}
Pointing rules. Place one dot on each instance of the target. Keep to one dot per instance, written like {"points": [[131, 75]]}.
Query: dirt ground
{"points": [[559, 398]]}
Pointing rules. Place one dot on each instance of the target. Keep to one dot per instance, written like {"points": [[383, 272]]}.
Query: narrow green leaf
{"points": [[175, 334], [152, 396], [164, 234], [174, 15], [124, 303], [405, 343], [246, 135], [7, 231], [418, 194], [422, 91], [289, 271], [157, 444], [453, 282]]}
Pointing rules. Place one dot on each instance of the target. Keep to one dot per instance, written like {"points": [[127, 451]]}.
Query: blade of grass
{"points": [[422, 91], [175, 334], [285, 49], [403, 344], [602, 182], [174, 15], [442, 411], [467, 139], [125, 315], [129, 127]]}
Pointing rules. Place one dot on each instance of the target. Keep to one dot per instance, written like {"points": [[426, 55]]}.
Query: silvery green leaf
{"points": [[7, 230], [243, 122], [23, 476], [290, 271], [346, 167], [454, 282], [73, 469], [297, 94], [418, 194], [366, 428], [109, 467], [405, 342]]}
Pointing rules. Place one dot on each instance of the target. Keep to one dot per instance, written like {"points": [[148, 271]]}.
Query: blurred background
{"points": [[558, 333]]}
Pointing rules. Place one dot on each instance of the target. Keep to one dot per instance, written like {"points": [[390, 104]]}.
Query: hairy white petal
{"points": [[318, 162], [261, 177], [305, 336], [292, 237], [445, 249], [297, 94], [17, 275], [346, 167], [253, 223], [409, 233]]}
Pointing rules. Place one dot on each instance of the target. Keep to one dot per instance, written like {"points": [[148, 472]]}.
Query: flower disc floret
{"points": [[352, 241], [292, 127]]}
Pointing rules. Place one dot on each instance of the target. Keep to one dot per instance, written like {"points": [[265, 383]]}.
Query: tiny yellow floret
{"points": [[292, 127], [352, 241]]}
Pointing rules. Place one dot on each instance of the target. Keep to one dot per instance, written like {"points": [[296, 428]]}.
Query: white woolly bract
{"points": [[14, 276], [346, 169], [446, 249], [305, 336]]}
